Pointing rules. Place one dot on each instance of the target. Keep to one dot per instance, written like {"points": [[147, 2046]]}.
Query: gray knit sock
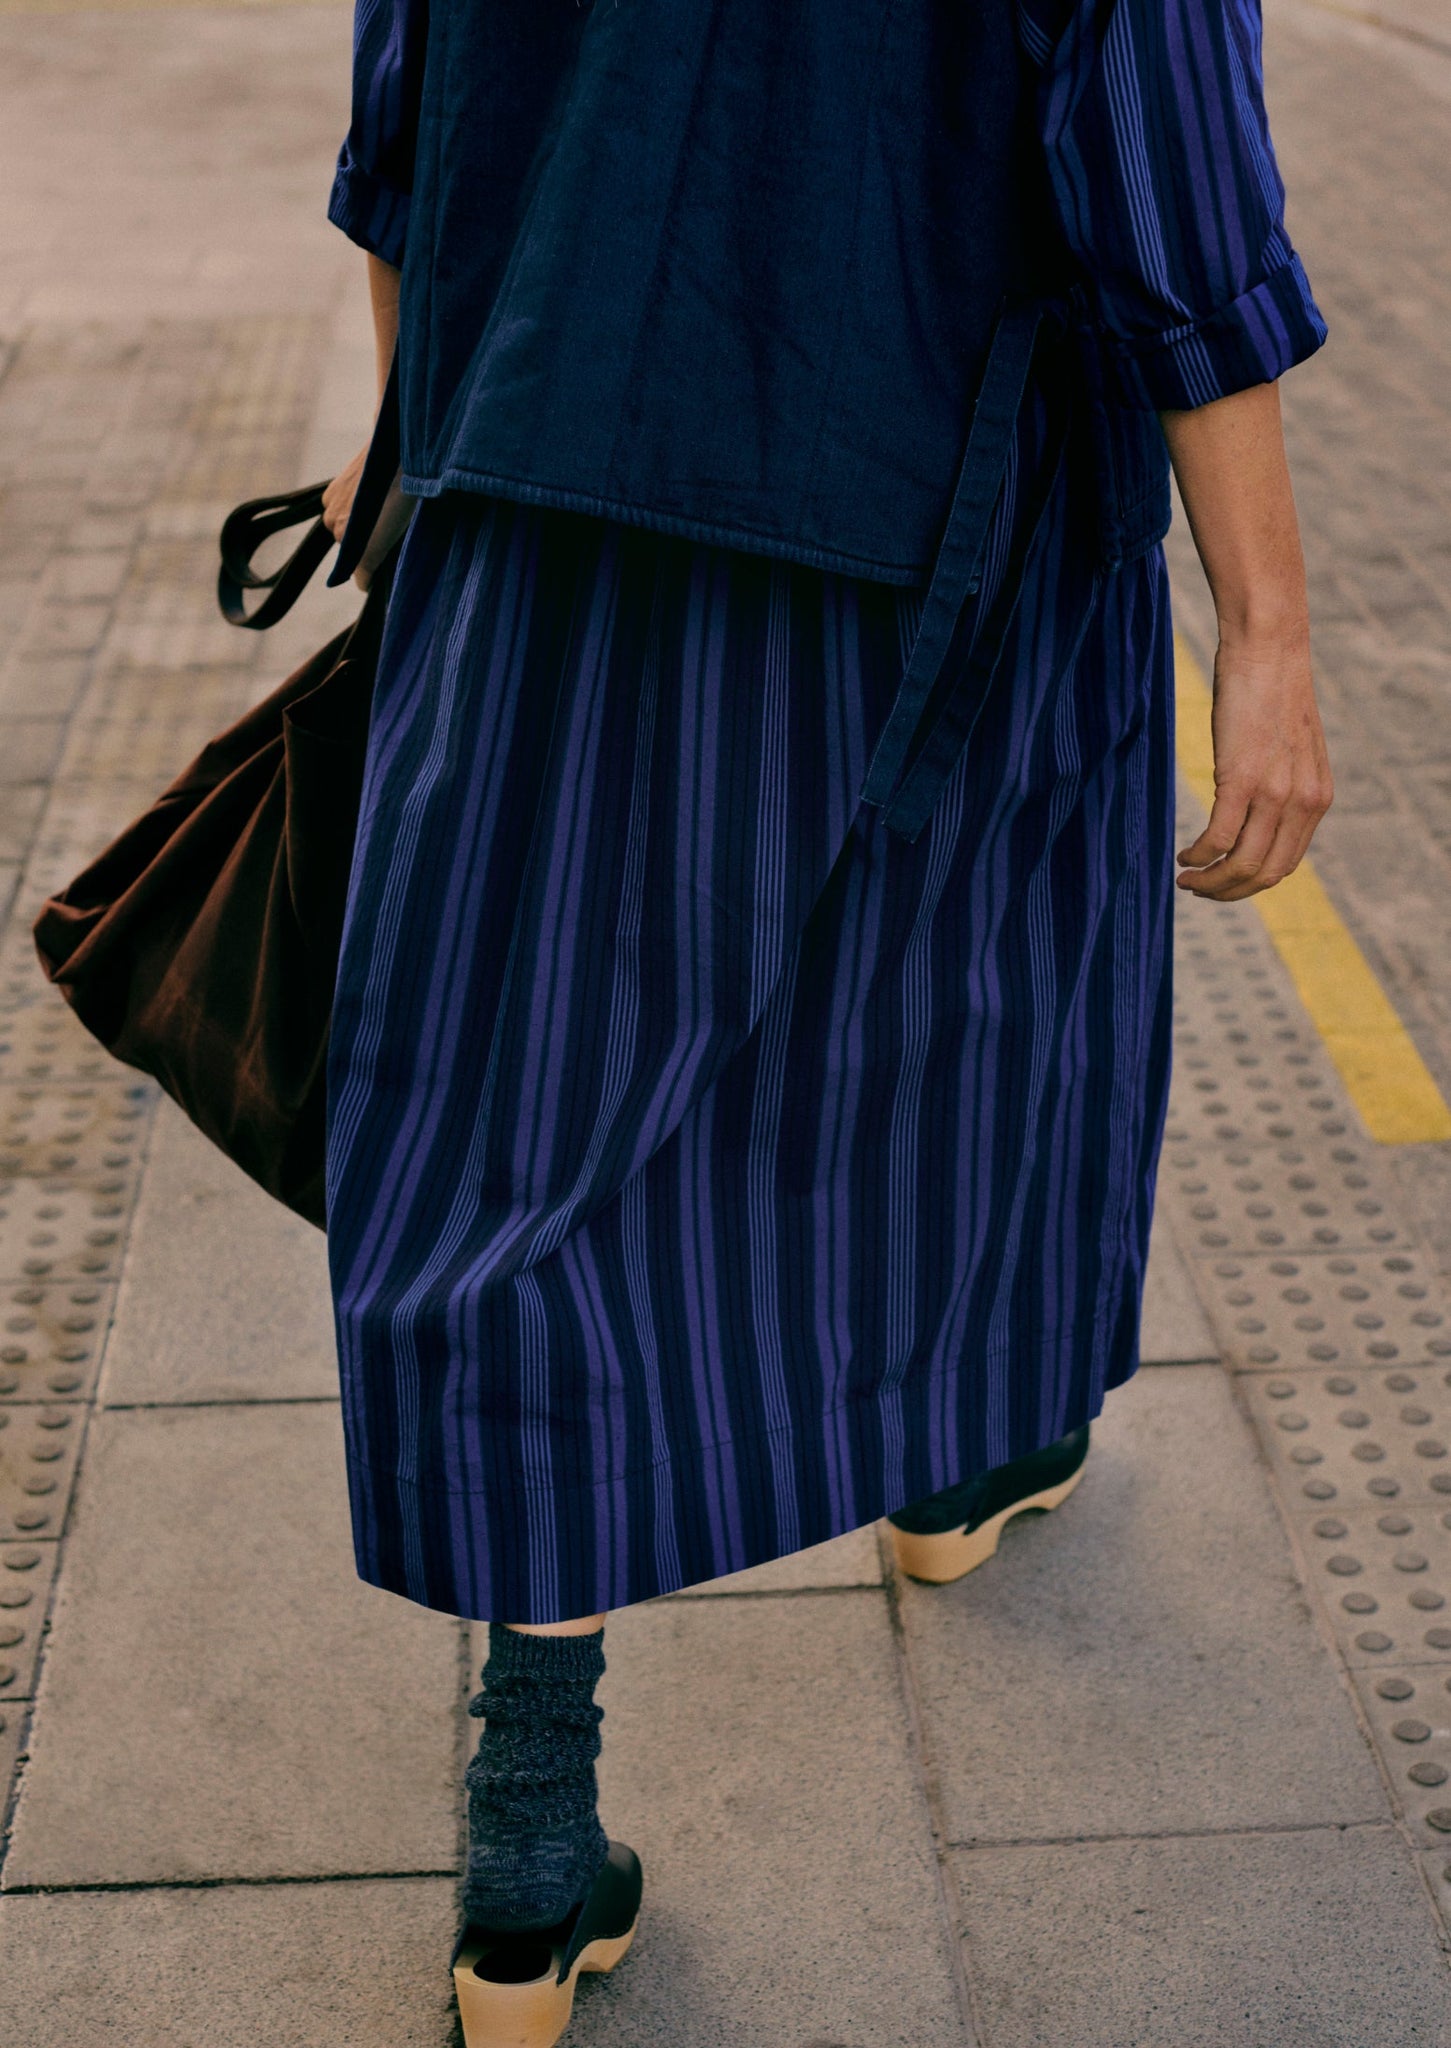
{"points": [[535, 1840]]}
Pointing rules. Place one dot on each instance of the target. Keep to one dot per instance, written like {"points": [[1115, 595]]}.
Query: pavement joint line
{"points": [[463, 1742], [243, 1401], [1272, 1828], [1384, 1073], [689, 1596], [920, 1757], [223, 1884]]}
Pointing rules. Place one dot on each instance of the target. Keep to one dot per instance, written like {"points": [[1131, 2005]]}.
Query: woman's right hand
{"points": [[1272, 782], [337, 503]]}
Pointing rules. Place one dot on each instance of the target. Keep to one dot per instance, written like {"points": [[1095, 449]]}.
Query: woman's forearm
{"points": [[383, 282], [1229, 460], [337, 499], [1271, 771]]}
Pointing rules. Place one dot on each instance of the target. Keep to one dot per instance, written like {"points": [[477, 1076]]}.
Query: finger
{"points": [[336, 505], [1244, 859], [1226, 821], [1288, 848]]}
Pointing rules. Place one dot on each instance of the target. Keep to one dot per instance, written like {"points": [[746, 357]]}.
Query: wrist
{"points": [[1262, 620]]}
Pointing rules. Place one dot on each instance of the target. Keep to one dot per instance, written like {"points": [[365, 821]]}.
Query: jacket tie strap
{"points": [[906, 784]]}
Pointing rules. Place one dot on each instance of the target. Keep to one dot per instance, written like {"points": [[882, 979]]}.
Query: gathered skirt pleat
{"points": [[710, 1171]]}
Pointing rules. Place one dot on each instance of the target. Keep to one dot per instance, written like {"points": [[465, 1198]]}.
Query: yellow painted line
{"points": [[1388, 1080]]}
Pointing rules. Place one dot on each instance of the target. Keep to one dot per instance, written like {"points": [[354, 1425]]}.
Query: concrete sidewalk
{"points": [[1168, 1773]]}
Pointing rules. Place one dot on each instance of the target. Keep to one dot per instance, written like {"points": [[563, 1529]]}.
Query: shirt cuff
{"points": [[1252, 340], [370, 213]]}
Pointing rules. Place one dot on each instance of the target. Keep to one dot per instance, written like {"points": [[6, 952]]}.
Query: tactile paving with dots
{"points": [[1409, 1712], [27, 1571], [1383, 1575], [80, 820], [1355, 1438], [40, 1040], [38, 1451], [81, 1127], [1252, 1096], [1290, 1197], [51, 1338], [57, 1229], [1347, 1309]]}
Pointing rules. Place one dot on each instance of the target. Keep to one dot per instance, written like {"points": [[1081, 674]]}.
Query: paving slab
{"points": [[1144, 1659], [225, 1293], [220, 1696], [756, 1754], [291, 1966], [1315, 1939], [1174, 1329]]}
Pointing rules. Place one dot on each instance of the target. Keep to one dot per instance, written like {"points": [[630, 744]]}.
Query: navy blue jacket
{"points": [[727, 267], [731, 264]]}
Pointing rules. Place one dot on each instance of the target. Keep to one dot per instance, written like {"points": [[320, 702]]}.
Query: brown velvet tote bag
{"points": [[202, 945]]}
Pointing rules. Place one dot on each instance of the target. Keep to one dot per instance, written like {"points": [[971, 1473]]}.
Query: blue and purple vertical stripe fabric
{"points": [[711, 1170]]}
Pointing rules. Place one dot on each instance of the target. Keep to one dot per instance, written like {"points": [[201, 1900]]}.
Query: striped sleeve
{"points": [[374, 180], [1164, 176]]}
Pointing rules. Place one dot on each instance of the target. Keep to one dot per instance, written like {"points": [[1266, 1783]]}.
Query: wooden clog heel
{"points": [[941, 1559], [948, 1535], [517, 1990]]}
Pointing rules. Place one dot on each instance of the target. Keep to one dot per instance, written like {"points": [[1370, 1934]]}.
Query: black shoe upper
{"points": [[975, 1501], [607, 1910]]}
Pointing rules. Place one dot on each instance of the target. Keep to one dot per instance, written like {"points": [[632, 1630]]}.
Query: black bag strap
{"points": [[243, 532], [247, 526]]}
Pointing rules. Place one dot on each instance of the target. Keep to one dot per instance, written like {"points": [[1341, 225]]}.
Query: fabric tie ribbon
{"points": [[910, 768]]}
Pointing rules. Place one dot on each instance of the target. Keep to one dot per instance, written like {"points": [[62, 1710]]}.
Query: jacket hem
{"points": [[752, 540]]}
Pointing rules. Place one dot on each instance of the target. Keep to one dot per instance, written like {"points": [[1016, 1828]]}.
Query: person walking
{"points": [[751, 1036]]}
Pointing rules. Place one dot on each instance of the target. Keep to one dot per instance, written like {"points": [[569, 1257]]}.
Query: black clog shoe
{"points": [[517, 1990], [949, 1534]]}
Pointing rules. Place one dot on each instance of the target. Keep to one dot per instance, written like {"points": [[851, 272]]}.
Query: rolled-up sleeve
{"points": [[1164, 178], [374, 181]]}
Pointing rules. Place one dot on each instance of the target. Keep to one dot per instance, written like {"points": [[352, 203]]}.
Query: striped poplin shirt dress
{"points": [[710, 1169]]}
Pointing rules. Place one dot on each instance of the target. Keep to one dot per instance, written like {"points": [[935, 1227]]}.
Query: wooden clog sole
{"points": [[952, 1555], [498, 2014]]}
